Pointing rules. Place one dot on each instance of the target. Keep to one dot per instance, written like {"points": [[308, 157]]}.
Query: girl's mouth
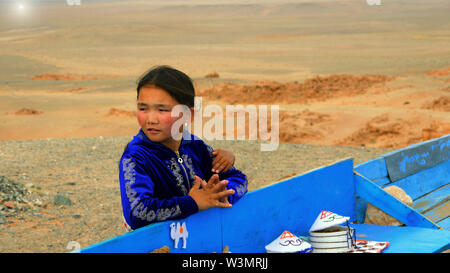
{"points": [[153, 131]]}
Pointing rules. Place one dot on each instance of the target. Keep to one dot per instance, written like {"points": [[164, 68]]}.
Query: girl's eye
{"points": [[164, 110]]}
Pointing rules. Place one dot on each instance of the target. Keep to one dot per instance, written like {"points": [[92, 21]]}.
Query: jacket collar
{"points": [[185, 140]]}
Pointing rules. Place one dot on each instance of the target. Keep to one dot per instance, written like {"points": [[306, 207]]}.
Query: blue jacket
{"points": [[155, 180]]}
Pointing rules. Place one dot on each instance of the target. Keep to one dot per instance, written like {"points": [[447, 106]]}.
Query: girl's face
{"points": [[154, 106]]}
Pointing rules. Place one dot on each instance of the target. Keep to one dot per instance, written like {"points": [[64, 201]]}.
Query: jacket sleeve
{"points": [[139, 205], [236, 179]]}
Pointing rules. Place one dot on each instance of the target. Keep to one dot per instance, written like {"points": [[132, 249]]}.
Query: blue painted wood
{"points": [[204, 236], [444, 223], [389, 204], [439, 212], [425, 181], [361, 203], [382, 182], [360, 209], [405, 239], [421, 170], [432, 199], [291, 205], [415, 158], [374, 169]]}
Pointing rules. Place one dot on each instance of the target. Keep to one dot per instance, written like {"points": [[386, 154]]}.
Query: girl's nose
{"points": [[152, 117]]}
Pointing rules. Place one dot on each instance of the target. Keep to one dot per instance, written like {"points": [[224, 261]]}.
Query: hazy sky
{"points": [[172, 1]]}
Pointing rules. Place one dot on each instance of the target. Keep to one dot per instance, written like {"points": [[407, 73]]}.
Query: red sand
{"points": [[317, 88], [26, 111]]}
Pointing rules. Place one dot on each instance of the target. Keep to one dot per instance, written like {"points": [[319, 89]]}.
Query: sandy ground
{"points": [[342, 73]]}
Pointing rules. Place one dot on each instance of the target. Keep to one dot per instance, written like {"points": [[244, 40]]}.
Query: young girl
{"points": [[162, 178]]}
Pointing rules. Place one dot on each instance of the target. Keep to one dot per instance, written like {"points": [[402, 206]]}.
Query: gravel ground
{"points": [[73, 187]]}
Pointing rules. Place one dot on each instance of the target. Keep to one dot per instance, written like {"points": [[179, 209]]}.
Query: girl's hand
{"points": [[223, 160], [212, 194]]}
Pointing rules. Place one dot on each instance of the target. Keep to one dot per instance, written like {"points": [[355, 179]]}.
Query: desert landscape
{"points": [[350, 79]]}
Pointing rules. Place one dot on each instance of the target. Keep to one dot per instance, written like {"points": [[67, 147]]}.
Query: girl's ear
{"points": [[192, 113]]}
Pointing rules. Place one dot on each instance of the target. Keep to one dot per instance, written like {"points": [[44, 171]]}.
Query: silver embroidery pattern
{"points": [[176, 170], [138, 208], [188, 161]]}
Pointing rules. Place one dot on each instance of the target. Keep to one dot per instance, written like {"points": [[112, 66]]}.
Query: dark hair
{"points": [[176, 83]]}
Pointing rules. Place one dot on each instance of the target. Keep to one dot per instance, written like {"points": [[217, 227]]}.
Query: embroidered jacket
{"points": [[155, 180]]}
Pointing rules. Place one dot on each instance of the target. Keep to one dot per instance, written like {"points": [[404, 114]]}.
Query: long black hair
{"points": [[176, 83]]}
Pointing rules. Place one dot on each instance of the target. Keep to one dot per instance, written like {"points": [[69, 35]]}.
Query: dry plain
{"points": [[344, 74]]}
